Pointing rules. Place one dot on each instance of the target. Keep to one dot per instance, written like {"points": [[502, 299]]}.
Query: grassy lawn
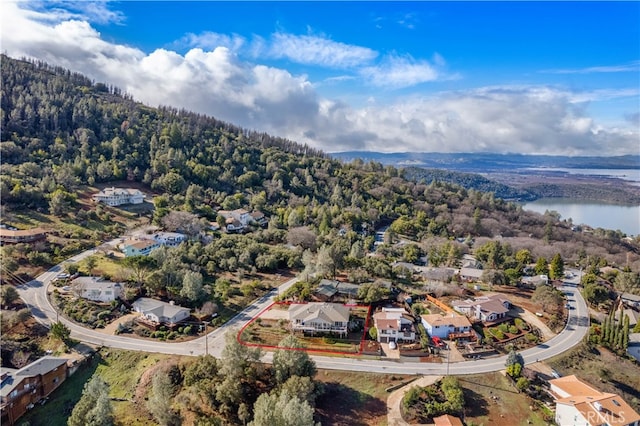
{"points": [[490, 399]]}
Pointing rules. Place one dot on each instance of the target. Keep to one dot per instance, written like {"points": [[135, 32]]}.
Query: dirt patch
{"points": [[492, 399], [354, 399]]}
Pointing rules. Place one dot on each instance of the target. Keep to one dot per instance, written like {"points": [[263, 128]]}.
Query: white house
{"points": [[138, 247], [96, 289], [536, 281], [237, 220], [578, 404], [448, 327], [169, 239], [160, 312], [394, 325], [118, 196], [485, 308], [319, 317]]}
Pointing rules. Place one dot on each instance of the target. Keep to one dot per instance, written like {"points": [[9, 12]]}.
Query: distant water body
{"points": [[596, 215], [631, 175]]}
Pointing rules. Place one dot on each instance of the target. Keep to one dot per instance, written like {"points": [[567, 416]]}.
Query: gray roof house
{"points": [[319, 317], [633, 348], [327, 289], [160, 312], [489, 309]]}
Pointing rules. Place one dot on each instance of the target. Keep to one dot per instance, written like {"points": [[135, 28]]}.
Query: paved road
{"points": [[34, 294]]}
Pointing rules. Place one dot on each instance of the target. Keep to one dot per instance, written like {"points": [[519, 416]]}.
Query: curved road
{"points": [[34, 294]]}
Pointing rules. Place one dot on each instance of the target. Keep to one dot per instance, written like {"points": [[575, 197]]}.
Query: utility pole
{"points": [[206, 340]]}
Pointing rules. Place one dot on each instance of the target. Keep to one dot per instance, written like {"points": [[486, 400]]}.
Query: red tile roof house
{"points": [[488, 309], [394, 325], [22, 389], [577, 403]]}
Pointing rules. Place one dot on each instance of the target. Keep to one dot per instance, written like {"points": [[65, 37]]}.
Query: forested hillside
{"points": [[61, 131]]}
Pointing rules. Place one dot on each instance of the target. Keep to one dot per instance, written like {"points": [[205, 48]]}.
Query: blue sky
{"points": [[531, 77]]}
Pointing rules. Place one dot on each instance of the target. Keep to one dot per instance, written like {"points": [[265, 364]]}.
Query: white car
{"points": [[392, 345]]}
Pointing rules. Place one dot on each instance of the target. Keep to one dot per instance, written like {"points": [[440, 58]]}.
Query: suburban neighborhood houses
{"points": [[450, 326]]}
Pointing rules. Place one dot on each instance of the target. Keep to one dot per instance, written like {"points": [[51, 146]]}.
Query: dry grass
{"points": [[490, 399]]}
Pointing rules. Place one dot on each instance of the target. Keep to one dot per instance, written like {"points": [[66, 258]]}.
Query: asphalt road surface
{"points": [[34, 294]]}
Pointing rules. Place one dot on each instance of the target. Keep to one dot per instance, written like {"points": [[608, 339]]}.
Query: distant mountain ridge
{"points": [[488, 162]]}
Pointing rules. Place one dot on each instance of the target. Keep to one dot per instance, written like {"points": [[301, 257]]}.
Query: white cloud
{"points": [[210, 40], [313, 50], [400, 71], [630, 67], [96, 11], [538, 119]]}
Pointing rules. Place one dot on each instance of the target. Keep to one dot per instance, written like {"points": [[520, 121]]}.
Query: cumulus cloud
{"points": [[210, 40], [217, 81], [314, 50]]}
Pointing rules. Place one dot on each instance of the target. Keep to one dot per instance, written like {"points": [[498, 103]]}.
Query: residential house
{"points": [[438, 274], [160, 312], [329, 289], [489, 309], [630, 300], [22, 389], [138, 247], [451, 326], [578, 403], [319, 317], [633, 348], [404, 269], [447, 420], [96, 289], [236, 220], [535, 281], [259, 218], [169, 239], [394, 325], [15, 236], [470, 274], [118, 196]]}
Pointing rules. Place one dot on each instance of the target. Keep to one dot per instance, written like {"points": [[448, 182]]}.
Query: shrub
{"points": [[503, 327], [513, 329], [187, 330], [103, 315]]}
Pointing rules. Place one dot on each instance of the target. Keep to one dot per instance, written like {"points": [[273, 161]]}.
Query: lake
{"points": [[594, 214]]}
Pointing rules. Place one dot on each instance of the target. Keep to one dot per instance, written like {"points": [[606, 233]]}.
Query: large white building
{"points": [[118, 196], [579, 404]]}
